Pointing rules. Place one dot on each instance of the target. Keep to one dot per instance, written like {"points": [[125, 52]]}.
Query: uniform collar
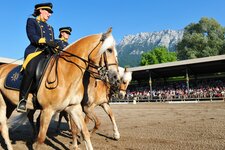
{"points": [[63, 39], [39, 19]]}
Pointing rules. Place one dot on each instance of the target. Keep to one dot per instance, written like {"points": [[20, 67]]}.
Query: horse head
{"points": [[125, 78], [109, 61], [99, 53]]}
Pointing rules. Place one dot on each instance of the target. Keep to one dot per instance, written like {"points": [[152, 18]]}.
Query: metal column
{"points": [[187, 81]]}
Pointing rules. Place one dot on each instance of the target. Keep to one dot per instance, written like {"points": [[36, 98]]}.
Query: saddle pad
{"points": [[14, 78]]}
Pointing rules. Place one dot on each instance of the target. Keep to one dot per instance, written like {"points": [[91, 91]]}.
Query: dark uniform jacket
{"points": [[61, 43], [35, 30]]}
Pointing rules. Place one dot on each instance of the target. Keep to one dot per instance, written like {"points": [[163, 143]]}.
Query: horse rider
{"points": [[41, 37], [64, 34]]}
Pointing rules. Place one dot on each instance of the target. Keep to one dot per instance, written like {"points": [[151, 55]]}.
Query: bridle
{"points": [[104, 67], [121, 89]]}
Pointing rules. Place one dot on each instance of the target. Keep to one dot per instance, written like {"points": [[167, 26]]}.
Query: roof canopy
{"points": [[206, 65]]}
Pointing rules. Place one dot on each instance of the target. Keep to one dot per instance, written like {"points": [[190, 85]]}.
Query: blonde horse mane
{"points": [[126, 75]]}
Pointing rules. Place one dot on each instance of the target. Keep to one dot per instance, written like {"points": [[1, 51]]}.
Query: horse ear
{"points": [[107, 34], [109, 30], [125, 69]]}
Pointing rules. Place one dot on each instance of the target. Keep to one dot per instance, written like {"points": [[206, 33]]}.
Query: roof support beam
{"points": [[150, 83], [187, 81]]}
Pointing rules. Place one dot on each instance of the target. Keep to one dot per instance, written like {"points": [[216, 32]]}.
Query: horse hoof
{"points": [[116, 136], [76, 148]]}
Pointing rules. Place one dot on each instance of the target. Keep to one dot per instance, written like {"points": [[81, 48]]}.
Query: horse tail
{"points": [[16, 121]]}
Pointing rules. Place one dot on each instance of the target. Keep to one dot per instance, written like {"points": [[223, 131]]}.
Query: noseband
{"points": [[121, 89]]}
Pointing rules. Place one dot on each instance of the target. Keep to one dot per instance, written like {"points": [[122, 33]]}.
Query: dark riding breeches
{"points": [[29, 76]]}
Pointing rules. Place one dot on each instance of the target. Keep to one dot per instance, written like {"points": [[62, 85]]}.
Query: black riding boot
{"points": [[24, 92]]}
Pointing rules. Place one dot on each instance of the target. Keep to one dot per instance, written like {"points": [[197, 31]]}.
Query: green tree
{"points": [[202, 39], [157, 55]]}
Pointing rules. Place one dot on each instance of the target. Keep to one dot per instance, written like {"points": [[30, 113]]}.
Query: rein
{"points": [[102, 70]]}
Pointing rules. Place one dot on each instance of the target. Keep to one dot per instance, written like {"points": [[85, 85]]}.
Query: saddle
{"points": [[14, 77]]}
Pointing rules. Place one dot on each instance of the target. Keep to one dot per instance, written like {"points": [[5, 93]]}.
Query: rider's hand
{"points": [[51, 44]]}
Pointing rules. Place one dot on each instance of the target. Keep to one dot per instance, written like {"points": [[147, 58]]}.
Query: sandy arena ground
{"points": [[145, 126]]}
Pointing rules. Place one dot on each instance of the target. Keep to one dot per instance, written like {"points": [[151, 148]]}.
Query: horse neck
{"points": [[101, 87], [77, 54], [86, 48]]}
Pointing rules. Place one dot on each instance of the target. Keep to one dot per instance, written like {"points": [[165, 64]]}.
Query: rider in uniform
{"points": [[64, 34], [41, 37]]}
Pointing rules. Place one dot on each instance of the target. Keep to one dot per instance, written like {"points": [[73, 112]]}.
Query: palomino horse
{"points": [[102, 99], [67, 91], [95, 98]]}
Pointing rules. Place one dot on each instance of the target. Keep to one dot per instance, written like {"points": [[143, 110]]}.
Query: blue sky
{"points": [[95, 16]]}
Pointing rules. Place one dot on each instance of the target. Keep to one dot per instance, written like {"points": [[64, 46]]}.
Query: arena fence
{"points": [[171, 100]]}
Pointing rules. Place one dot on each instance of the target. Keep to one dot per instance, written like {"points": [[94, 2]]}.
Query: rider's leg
{"points": [[28, 77], [24, 90]]}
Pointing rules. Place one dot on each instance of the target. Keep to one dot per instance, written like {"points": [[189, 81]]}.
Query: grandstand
{"points": [[189, 71]]}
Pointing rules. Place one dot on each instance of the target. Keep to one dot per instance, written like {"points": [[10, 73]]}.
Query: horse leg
{"points": [[90, 114], [74, 131], [30, 116], [108, 110], [59, 122], [3, 123], [45, 119], [75, 111], [86, 119], [61, 115], [65, 115], [10, 108], [38, 122]]}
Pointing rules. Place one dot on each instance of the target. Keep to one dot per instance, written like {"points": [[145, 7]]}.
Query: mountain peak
{"points": [[144, 41], [151, 36]]}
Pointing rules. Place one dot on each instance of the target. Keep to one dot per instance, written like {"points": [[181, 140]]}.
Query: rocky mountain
{"points": [[132, 46]]}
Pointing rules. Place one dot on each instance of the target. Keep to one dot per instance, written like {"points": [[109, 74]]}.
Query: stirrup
{"points": [[22, 108]]}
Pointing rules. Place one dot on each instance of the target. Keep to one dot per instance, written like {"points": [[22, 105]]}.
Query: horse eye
{"points": [[109, 50], [124, 82]]}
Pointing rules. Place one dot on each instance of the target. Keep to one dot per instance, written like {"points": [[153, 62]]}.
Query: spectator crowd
{"points": [[178, 90]]}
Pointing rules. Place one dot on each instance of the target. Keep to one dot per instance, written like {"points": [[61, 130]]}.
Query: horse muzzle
{"points": [[114, 79], [121, 95]]}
